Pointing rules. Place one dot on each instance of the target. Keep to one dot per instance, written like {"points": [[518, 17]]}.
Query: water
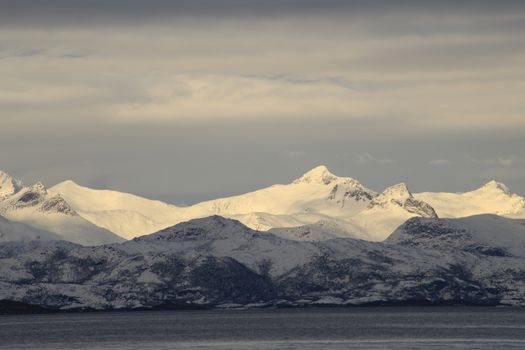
{"points": [[355, 328]]}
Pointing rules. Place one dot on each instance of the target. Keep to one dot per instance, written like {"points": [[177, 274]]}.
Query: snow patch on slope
{"points": [[319, 231]]}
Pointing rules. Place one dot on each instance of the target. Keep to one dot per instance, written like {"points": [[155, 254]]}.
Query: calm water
{"points": [[355, 328]]}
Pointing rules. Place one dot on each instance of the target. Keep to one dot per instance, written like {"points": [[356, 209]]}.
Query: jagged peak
{"points": [[58, 204], [398, 191], [320, 175], [38, 187], [397, 194], [8, 184], [494, 185], [4, 175]]}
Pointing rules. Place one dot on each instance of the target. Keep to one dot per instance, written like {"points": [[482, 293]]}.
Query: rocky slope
{"points": [[8, 185], [219, 262], [387, 211]]}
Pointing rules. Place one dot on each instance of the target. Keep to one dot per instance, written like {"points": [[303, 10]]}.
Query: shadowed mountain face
{"points": [[15, 231], [220, 262]]}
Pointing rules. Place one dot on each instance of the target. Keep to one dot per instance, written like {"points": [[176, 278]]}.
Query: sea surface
{"points": [[322, 328]]}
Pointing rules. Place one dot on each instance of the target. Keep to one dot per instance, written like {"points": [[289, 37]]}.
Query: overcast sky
{"points": [[190, 100]]}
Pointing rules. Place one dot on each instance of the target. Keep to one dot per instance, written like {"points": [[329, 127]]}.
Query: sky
{"points": [[191, 100]]}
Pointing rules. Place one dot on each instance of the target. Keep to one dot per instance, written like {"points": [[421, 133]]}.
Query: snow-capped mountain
{"points": [[47, 211], [317, 196], [398, 196], [223, 237], [218, 262], [124, 214], [8, 185], [492, 198], [488, 234], [389, 210]]}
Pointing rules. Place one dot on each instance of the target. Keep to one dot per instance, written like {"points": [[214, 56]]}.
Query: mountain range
{"points": [[318, 200], [219, 262], [320, 240]]}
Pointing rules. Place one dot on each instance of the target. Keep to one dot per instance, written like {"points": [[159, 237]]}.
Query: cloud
{"points": [[439, 162], [365, 158], [502, 161], [40, 95], [262, 73], [115, 12], [349, 61], [507, 161], [198, 97], [121, 80]]}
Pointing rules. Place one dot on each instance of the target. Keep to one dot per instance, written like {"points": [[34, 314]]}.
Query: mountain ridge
{"points": [[219, 262], [44, 210], [316, 196]]}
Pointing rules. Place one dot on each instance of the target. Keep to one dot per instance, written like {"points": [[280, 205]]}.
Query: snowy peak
{"points": [[84, 198], [39, 188], [9, 185], [491, 198], [494, 187], [398, 192], [67, 184], [343, 188], [38, 198], [318, 175], [49, 212], [122, 213], [396, 195], [400, 196]]}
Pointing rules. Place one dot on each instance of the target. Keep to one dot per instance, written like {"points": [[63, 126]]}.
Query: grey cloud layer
{"points": [[147, 96], [82, 12]]}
